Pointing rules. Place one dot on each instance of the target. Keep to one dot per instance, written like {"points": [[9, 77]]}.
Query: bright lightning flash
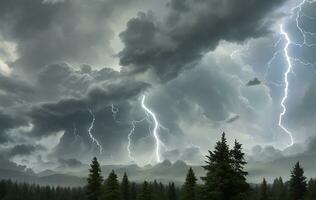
{"points": [[129, 137], [297, 15], [155, 129], [94, 140], [286, 88]]}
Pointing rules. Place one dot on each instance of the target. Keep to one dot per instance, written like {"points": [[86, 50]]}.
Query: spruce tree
{"points": [[240, 186], [133, 192], [278, 189], [158, 192], [172, 192], [125, 189], [297, 183], [111, 188], [311, 190], [264, 190], [146, 192], [95, 179], [218, 181], [189, 188]]}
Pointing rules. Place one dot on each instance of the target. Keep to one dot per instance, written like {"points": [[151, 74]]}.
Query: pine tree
{"points": [[218, 181], [111, 188], [125, 190], [264, 190], [172, 192], [189, 188], [278, 189], [95, 179], [146, 192], [311, 190], [157, 191], [133, 192], [297, 183], [240, 186], [238, 158]]}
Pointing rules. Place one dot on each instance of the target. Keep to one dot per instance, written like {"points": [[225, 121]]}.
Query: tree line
{"points": [[225, 179]]}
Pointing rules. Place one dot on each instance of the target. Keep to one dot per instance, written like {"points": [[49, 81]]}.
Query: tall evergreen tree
{"points": [[125, 189], [111, 188], [172, 192], [95, 179], [189, 188], [158, 191], [264, 190], [297, 183], [133, 192], [220, 173], [279, 189], [240, 187], [311, 190], [146, 192]]}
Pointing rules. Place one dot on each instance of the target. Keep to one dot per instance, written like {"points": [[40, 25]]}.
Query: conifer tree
{"points": [[172, 192], [189, 188], [240, 187], [278, 189], [219, 172], [264, 190], [133, 192], [95, 179], [125, 189], [311, 190], [297, 183], [111, 188], [146, 192]]}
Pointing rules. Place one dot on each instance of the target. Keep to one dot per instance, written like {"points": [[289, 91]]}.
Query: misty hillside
{"points": [[163, 172]]}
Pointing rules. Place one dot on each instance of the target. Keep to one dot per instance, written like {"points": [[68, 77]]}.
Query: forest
{"points": [[225, 179]]}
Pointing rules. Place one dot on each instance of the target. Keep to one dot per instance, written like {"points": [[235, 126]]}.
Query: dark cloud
{"points": [[254, 82], [8, 122], [72, 162], [14, 91], [24, 150], [7, 164], [72, 31], [189, 31], [60, 115]]}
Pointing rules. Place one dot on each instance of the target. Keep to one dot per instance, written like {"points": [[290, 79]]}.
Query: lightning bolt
{"points": [[286, 81], [94, 140], [133, 123], [298, 14], [156, 125], [155, 129], [129, 137]]}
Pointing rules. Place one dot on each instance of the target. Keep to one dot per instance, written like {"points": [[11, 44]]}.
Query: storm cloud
{"points": [[188, 31], [194, 61]]}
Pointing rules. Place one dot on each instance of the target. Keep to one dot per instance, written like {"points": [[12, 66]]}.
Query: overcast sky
{"points": [[67, 67]]}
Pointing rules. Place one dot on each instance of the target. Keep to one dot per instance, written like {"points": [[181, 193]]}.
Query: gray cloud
{"points": [[72, 162], [8, 122], [24, 149], [66, 31], [233, 119], [253, 82], [65, 49], [182, 38]]}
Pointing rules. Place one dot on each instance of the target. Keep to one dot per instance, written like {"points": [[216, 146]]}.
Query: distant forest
{"points": [[225, 179]]}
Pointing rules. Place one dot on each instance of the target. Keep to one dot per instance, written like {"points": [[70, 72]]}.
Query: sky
{"points": [[141, 81]]}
